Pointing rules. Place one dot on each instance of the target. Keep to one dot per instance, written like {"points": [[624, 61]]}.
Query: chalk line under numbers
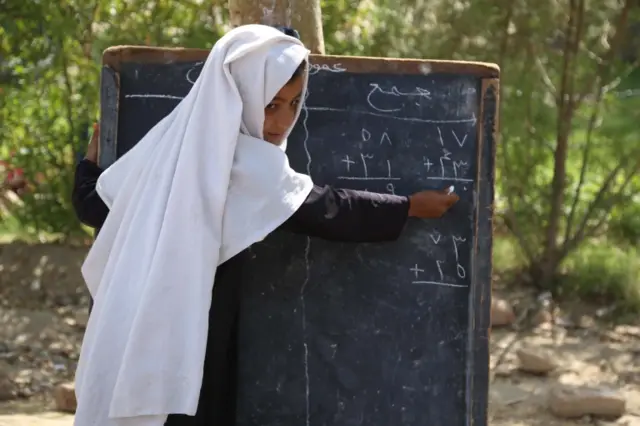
{"points": [[367, 178], [439, 283], [449, 178]]}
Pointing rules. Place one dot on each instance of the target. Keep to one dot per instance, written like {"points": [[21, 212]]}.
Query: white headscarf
{"points": [[199, 188]]}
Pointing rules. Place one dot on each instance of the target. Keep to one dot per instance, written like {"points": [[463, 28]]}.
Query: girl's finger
{"points": [[96, 131]]}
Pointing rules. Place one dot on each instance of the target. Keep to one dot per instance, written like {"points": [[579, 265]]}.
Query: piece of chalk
{"points": [[451, 188]]}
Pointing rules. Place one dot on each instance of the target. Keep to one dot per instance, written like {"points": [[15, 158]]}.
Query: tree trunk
{"points": [[303, 15]]}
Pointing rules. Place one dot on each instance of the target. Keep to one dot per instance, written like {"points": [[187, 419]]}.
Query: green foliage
{"points": [[50, 57], [605, 274]]}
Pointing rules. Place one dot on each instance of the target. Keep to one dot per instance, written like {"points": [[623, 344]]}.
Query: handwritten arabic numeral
{"points": [[440, 136], [438, 262], [435, 237], [457, 165], [385, 138], [461, 272], [366, 135], [391, 188], [456, 240], [445, 156], [460, 142], [364, 163]]}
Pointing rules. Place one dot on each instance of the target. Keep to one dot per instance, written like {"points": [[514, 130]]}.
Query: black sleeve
{"points": [[350, 216], [88, 205]]}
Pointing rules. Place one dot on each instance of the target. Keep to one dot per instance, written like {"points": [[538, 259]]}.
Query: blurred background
{"points": [[567, 226]]}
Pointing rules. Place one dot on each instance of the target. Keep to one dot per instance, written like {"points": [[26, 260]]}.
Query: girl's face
{"points": [[281, 112]]}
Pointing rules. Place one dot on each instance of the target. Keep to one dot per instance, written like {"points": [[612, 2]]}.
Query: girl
{"points": [[184, 204]]}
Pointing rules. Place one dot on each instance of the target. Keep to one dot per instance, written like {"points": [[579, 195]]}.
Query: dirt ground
{"points": [[43, 314]]}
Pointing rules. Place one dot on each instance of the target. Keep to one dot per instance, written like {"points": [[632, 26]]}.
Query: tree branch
{"points": [[580, 233], [585, 160], [602, 74], [607, 211], [68, 86], [566, 108], [512, 226]]}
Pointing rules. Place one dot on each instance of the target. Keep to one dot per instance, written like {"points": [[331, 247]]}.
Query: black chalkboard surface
{"points": [[357, 334]]}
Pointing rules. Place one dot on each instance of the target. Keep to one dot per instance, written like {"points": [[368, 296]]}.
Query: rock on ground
{"points": [[501, 313], [575, 402], [65, 397], [536, 361]]}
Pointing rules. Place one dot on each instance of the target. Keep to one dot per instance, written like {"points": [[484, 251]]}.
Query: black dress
{"points": [[332, 214]]}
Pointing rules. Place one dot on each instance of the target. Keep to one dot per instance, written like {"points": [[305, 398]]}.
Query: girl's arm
{"points": [[350, 216], [88, 205]]}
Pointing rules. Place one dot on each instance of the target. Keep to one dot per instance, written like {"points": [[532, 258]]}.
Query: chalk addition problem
{"points": [[362, 166], [367, 166], [444, 275]]}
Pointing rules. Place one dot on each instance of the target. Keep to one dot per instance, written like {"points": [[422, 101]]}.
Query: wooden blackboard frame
{"points": [[477, 374]]}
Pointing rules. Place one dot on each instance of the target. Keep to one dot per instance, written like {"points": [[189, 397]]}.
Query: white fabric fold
{"points": [[200, 187]]}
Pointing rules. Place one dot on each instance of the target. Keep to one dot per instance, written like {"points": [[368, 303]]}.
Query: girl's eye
{"points": [[296, 102], [270, 106]]}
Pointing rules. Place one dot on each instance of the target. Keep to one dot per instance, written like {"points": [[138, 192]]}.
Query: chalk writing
{"points": [[462, 273], [393, 91], [441, 277], [191, 73], [459, 165], [438, 264], [445, 156], [417, 270], [391, 188], [460, 142], [365, 170], [382, 130], [348, 161], [427, 163], [364, 163], [316, 68], [384, 137], [450, 168], [435, 237]]}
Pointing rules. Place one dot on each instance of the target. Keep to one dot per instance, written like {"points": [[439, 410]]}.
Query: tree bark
{"points": [[303, 15]]}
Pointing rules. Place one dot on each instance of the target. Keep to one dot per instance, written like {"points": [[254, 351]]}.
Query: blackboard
{"points": [[357, 334]]}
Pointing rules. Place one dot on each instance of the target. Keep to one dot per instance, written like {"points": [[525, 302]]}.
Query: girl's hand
{"points": [[92, 149], [431, 204]]}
